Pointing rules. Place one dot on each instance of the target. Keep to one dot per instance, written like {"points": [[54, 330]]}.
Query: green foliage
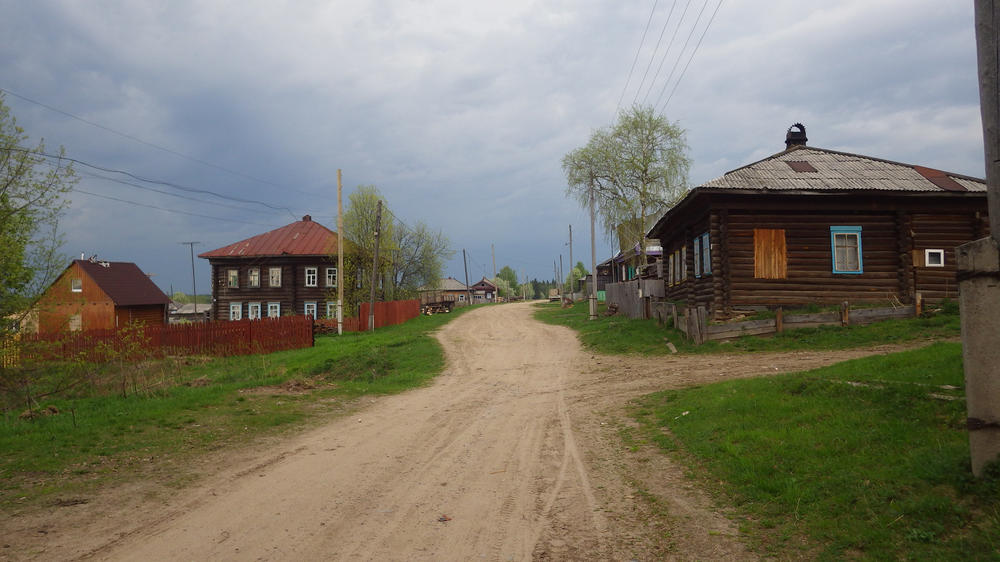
{"points": [[864, 459], [508, 278], [634, 169], [184, 298], [32, 198]]}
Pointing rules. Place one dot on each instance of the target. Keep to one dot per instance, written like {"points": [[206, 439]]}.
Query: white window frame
{"points": [[76, 285], [312, 275], [253, 310], [934, 252], [309, 309], [331, 309], [233, 278], [274, 277], [253, 277], [461, 297], [273, 309], [331, 277], [235, 311]]}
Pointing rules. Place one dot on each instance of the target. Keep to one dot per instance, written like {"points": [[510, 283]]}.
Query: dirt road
{"points": [[513, 453]]}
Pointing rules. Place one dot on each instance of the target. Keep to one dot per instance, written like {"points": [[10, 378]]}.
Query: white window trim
{"points": [[271, 276], [307, 305], [233, 278], [332, 270], [331, 309], [314, 273], [237, 308], [927, 257], [76, 285], [251, 307], [251, 282], [277, 308]]}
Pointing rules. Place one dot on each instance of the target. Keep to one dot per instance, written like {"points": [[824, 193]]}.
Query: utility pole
{"points": [[378, 236], [572, 268], [593, 257], [979, 265], [194, 286], [555, 275], [465, 264], [340, 256], [493, 254], [562, 277]]}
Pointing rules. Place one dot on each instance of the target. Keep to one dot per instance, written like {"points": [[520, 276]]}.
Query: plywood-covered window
{"points": [[845, 243], [769, 253]]}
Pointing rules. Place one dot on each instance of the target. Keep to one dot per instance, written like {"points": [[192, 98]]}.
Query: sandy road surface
{"points": [[512, 454]]}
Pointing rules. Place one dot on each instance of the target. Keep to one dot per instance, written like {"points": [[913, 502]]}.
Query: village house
{"points": [[811, 225], [483, 291], [98, 295], [289, 270], [449, 290]]}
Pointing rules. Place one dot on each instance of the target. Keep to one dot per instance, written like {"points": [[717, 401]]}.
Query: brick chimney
{"points": [[795, 138]]}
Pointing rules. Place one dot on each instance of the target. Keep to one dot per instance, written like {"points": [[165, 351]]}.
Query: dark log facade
{"points": [[291, 295]]}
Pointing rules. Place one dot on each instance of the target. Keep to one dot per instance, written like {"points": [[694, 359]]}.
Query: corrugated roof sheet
{"points": [[449, 284], [301, 238], [837, 171], [123, 282]]}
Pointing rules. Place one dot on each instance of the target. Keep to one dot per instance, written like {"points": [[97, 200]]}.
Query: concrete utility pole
{"points": [[572, 267], [194, 286], [340, 256], [378, 237], [468, 291], [593, 258], [979, 265]]}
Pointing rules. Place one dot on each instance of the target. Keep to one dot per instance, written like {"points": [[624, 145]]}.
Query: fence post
{"points": [[673, 313], [845, 314], [779, 320], [702, 324], [918, 304]]}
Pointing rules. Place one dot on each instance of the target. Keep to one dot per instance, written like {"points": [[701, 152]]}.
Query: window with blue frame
{"points": [[845, 245], [703, 253]]}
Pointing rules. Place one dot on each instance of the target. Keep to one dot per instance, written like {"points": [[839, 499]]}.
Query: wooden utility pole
{"points": [[340, 256], [555, 276], [593, 258], [465, 264], [979, 264], [572, 268], [194, 286], [378, 236], [562, 286]]}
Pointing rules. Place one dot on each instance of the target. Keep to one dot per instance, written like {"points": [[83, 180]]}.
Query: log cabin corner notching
{"points": [[99, 295], [810, 225], [289, 270]]}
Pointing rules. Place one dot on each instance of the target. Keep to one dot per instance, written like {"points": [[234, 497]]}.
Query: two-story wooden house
{"points": [[289, 270]]}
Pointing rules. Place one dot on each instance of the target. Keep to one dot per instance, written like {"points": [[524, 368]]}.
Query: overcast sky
{"points": [[459, 112]]}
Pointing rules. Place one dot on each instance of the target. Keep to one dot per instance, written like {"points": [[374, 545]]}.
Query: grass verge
{"points": [[865, 459], [188, 406], [616, 335]]}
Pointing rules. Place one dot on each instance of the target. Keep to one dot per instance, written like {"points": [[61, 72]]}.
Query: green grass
{"points": [[856, 460], [194, 405], [616, 335]]}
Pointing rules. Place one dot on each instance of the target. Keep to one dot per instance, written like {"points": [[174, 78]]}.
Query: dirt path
{"points": [[512, 454]]}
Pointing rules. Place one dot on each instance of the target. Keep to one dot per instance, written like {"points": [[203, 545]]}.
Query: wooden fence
{"points": [[386, 314], [634, 298], [137, 342], [693, 321]]}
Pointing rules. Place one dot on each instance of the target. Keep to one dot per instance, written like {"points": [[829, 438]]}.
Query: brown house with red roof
{"points": [[289, 270], [100, 295]]}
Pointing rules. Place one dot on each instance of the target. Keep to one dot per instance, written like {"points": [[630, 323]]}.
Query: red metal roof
{"points": [[301, 238], [123, 282]]}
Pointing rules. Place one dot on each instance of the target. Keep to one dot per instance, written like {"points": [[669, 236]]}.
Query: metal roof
{"points": [[839, 171], [449, 284], [123, 282], [301, 238]]}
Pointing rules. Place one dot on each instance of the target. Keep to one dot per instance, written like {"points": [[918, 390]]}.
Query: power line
{"points": [[652, 57], [77, 190], [680, 55], [670, 45], [637, 51], [719, 5], [153, 181], [149, 144]]}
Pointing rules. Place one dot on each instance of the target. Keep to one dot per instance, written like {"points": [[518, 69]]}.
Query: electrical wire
{"points": [[670, 46], [149, 144], [719, 5], [637, 51], [680, 55], [652, 57], [78, 190]]}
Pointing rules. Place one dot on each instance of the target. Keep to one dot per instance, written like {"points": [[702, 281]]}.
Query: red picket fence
{"points": [[386, 314], [241, 337]]}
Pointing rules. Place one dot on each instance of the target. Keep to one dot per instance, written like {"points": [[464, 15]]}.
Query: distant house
{"points": [[99, 295], [445, 290], [810, 225], [483, 291], [190, 312], [289, 270]]}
